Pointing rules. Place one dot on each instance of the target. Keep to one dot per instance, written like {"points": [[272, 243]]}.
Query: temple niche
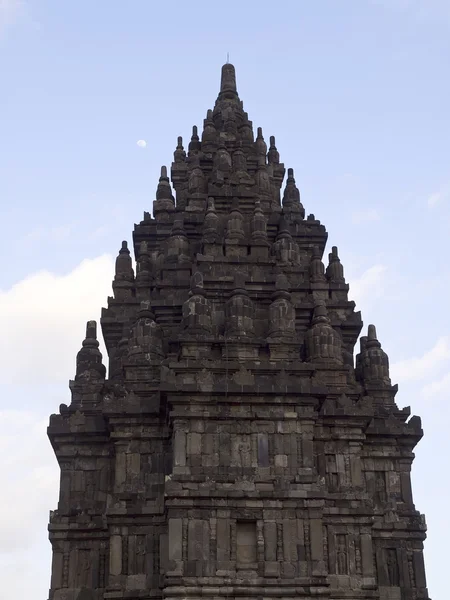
{"points": [[239, 446]]}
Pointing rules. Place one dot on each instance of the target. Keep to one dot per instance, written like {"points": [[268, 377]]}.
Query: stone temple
{"points": [[236, 449]]}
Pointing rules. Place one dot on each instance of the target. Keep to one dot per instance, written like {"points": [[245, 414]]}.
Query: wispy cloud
{"points": [[50, 312], [437, 388], [365, 216], [418, 368], [368, 286], [441, 195]]}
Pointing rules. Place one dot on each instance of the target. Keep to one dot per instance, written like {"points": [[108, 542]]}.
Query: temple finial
{"points": [[194, 144], [273, 155], [91, 333], [228, 79], [89, 364], [372, 340], [164, 191], [179, 155], [124, 269]]}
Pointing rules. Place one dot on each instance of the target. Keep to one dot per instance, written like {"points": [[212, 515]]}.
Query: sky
{"points": [[93, 97]]}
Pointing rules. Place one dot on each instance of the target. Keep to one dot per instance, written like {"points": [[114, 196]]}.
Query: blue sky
{"points": [[357, 94]]}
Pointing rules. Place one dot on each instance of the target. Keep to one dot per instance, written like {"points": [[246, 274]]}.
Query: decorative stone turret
{"points": [[179, 156], [90, 375], [211, 223], [281, 331], [260, 145], [285, 249], [196, 338], [123, 284], [230, 124], [316, 267], [246, 132], [197, 308], [259, 225], [210, 234], [89, 359], [144, 274], [116, 362], [322, 343], [335, 270], [259, 243], [222, 164], [197, 185], [240, 171], [263, 183], [281, 311], [178, 242], [235, 233], [197, 189], [374, 361], [164, 205], [209, 135], [145, 344], [273, 156], [195, 144], [240, 310], [291, 196]]}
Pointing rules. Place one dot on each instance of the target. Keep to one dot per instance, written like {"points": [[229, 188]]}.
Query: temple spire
{"points": [[228, 79]]}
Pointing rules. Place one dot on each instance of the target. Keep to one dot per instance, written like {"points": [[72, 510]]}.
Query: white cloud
{"points": [[29, 468], [365, 216], [141, 143], [368, 286], [437, 388], [42, 319], [438, 197], [30, 474], [417, 368]]}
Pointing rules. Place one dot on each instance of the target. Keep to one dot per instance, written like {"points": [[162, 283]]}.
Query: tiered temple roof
{"points": [[235, 449]]}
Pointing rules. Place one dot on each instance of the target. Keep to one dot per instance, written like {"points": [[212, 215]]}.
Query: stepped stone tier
{"points": [[235, 450]]}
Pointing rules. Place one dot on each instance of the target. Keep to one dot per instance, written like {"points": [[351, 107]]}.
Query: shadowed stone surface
{"points": [[235, 450]]}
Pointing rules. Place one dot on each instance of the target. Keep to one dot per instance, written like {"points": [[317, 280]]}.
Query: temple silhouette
{"points": [[236, 449]]}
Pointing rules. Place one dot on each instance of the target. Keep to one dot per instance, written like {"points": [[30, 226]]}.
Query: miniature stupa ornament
{"points": [[335, 270], [260, 144], [179, 155], [273, 155], [195, 144], [375, 362], [145, 343], [322, 342], [281, 310], [124, 268], [240, 309], [197, 308], [89, 358]]}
